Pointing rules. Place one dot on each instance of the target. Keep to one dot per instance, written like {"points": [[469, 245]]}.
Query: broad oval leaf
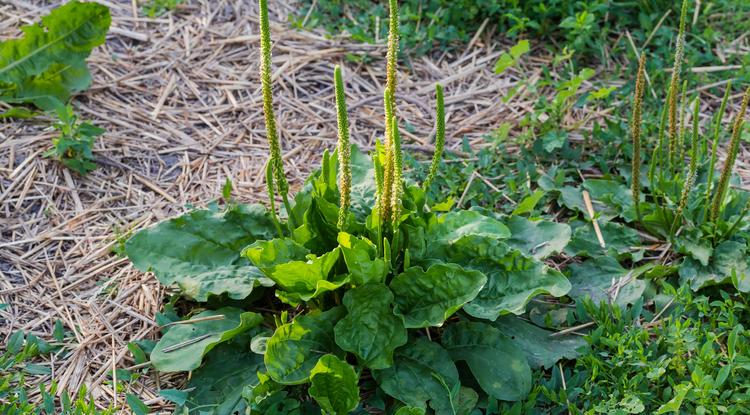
{"points": [[728, 263], [422, 372], [511, 283], [428, 298], [361, 257], [466, 235], [333, 384], [267, 254], [371, 331], [183, 346], [603, 279], [295, 348], [538, 239], [540, 348], [498, 365], [200, 251]]}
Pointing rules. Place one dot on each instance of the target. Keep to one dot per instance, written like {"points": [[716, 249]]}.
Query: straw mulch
{"points": [[179, 98]]}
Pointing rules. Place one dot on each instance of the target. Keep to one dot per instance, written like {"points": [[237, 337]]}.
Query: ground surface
{"points": [[179, 98]]}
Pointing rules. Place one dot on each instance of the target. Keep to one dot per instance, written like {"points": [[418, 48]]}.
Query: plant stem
{"points": [[714, 148], [692, 170], [635, 129], [439, 137], [272, 197], [344, 153]]}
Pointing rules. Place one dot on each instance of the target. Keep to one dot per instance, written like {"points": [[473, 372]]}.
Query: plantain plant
{"points": [[356, 294], [703, 218]]}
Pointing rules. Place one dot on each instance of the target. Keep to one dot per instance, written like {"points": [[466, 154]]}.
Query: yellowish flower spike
{"points": [[439, 137], [635, 129], [344, 147]]}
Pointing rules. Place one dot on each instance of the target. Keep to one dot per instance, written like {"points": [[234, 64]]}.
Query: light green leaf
{"points": [[529, 203], [409, 410], [422, 372], [599, 279], [497, 363], [538, 239], [370, 330], [509, 59], [428, 298], [47, 64], [267, 254], [183, 346], [674, 404], [729, 263], [361, 257], [540, 349], [334, 385], [216, 387], [200, 251], [465, 235], [512, 282], [295, 348]]}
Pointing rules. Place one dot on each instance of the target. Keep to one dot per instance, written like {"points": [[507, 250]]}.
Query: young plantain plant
{"points": [[702, 218], [358, 290]]}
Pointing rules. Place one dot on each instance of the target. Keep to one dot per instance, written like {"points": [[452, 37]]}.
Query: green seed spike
{"points": [[635, 129], [682, 129], [660, 153], [692, 169], [398, 165], [439, 137], [345, 150], [265, 79], [726, 171], [674, 85], [715, 144], [389, 104]]}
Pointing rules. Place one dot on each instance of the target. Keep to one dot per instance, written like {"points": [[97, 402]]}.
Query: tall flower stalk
{"points": [[439, 137], [276, 162], [635, 129], [674, 91], [715, 145], [389, 105], [692, 169], [398, 166], [344, 147], [726, 171]]}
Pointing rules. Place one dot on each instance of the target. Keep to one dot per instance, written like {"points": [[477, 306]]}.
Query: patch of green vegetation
{"points": [[156, 8], [73, 147], [16, 364]]}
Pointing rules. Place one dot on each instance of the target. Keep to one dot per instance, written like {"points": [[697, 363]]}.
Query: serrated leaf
{"points": [[200, 251], [512, 282], [333, 384], [370, 330], [183, 346], [540, 348], [538, 239], [422, 372], [426, 298], [47, 64], [497, 363], [295, 348]]}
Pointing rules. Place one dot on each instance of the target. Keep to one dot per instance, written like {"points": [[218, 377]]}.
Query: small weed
{"points": [[73, 148]]}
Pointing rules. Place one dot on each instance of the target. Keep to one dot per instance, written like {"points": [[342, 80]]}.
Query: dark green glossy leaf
{"points": [[599, 279], [539, 239], [729, 263], [422, 372], [621, 241], [333, 384], [295, 348], [512, 282], [428, 298], [370, 330], [183, 346], [497, 363], [200, 251], [540, 348]]}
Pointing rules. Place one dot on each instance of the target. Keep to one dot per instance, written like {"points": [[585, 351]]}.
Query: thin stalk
{"points": [[271, 198], [726, 171], [739, 221], [385, 199], [635, 129], [692, 169], [682, 129], [439, 137], [715, 147], [398, 181], [344, 147], [389, 104], [673, 89], [662, 153]]}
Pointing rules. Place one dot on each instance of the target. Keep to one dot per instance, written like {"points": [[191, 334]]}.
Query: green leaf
{"points": [[422, 372], [216, 387], [200, 251], [333, 384], [267, 254], [428, 298], [136, 405], [175, 396], [729, 263], [538, 239], [361, 257], [674, 404], [465, 235], [497, 363], [295, 348], [183, 346], [528, 204], [47, 64], [409, 410], [510, 59], [599, 279], [370, 330], [540, 348], [620, 240], [512, 282]]}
